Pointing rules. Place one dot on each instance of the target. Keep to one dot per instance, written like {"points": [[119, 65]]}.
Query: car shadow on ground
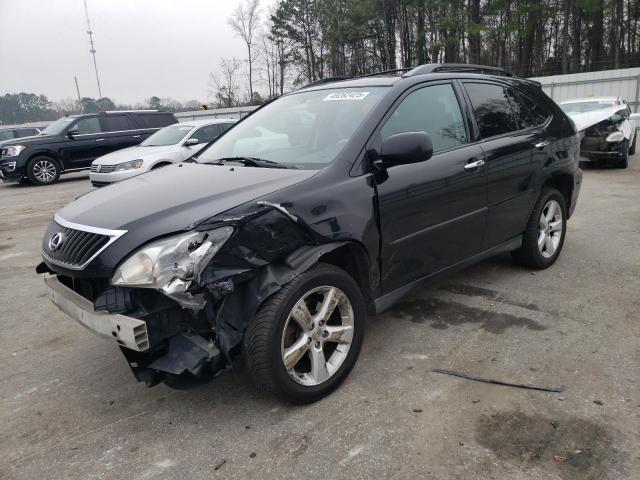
{"points": [[73, 178]]}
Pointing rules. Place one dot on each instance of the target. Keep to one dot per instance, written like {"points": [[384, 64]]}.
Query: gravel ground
{"points": [[70, 408]]}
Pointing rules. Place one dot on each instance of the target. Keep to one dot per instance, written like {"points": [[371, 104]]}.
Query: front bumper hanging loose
{"points": [[126, 331]]}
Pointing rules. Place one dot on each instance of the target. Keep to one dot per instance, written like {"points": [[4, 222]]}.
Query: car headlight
{"points": [[170, 264], [615, 137], [131, 165], [13, 150]]}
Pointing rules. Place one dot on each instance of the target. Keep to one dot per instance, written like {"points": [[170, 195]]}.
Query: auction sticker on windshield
{"points": [[345, 96]]}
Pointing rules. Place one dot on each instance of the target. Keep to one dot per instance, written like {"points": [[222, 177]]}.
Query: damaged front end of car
{"points": [[604, 140], [179, 305]]}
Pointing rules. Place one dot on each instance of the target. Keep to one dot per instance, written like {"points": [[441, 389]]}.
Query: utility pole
{"points": [[77, 88], [93, 50]]}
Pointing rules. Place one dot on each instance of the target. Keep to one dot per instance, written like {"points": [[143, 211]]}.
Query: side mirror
{"points": [[404, 148], [635, 116], [72, 133], [191, 142]]}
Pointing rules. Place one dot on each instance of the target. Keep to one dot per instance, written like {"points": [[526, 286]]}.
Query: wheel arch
{"points": [[161, 163], [46, 153], [563, 182], [352, 258]]}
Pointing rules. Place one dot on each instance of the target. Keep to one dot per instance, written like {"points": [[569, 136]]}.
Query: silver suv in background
{"points": [[171, 144]]}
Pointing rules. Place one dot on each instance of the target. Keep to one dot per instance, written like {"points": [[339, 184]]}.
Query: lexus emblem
{"points": [[55, 242]]}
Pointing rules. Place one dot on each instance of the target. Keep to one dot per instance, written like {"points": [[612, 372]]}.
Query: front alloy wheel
{"points": [[317, 335], [306, 338], [43, 171]]}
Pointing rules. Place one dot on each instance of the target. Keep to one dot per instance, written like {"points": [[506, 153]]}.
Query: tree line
{"points": [[24, 107], [528, 37], [301, 41]]}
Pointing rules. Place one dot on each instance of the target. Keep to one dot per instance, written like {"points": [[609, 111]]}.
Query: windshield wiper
{"points": [[252, 162]]}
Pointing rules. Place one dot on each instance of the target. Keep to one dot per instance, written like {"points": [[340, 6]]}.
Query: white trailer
{"points": [[623, 83]]}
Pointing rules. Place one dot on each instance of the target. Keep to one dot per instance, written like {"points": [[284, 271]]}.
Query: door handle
{"points": [[135, 136], [99, 139], [474, 165], [542, 144]]}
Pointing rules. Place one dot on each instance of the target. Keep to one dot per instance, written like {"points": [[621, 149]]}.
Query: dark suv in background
{"points": [[72, 143], [19, 131], [274, 241]]}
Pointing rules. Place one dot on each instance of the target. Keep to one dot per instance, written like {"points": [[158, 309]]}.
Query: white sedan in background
{"points": [[607, 128], [171, 144]]}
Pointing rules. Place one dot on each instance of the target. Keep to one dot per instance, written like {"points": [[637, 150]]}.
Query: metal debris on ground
{"points": [[498, 382]]}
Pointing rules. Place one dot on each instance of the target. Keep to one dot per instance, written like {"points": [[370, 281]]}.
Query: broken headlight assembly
{"points": [[615, 137], [172, 263]]}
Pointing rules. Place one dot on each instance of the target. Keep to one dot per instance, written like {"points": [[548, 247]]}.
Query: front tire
{"points": [[544, 237], [305, 339], [43, 171], [624, 161]]}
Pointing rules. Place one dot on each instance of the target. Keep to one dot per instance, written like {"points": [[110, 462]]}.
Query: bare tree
{"points": [[245, 20], [224, 89]]}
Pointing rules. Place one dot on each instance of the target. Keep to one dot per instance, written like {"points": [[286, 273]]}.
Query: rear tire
{"points": [[632, 149], [43, 171], [544, 237], [303, 364]]}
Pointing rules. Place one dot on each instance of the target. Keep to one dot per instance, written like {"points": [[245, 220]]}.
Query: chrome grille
{"points": [[98, 168], [74, 246]]}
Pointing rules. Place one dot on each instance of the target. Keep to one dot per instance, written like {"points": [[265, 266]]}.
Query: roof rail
{"points": [[457, 67], [386, 72], [129, 111], [326, 80]]}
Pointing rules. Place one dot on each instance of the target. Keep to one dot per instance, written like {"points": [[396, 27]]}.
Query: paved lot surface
{"points": [[70, 408]]}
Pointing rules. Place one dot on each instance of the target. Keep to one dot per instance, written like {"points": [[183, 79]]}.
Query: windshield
{"points": [[59, 126], [168, 135], [303, 130], [589, 106]]}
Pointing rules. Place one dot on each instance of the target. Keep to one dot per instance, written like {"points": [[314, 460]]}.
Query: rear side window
{"points": [[537, 113], [434, 110], [491, 108], [117, 123], [87, 126], [155, 120]]}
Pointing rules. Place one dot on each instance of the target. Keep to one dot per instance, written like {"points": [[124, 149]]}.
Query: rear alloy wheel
{"points": [[43, 171], [306, 338], [544, 236]]}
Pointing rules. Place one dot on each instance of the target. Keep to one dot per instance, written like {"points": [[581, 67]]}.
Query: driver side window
{"points": [[434, 110], [87, 126]]}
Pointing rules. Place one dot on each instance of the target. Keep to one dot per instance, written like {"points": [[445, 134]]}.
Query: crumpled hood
{"points": [[176, 197], [135, 153], [588, 119]]}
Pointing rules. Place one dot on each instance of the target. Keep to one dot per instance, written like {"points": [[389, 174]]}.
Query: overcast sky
{"points": [[165, 48]]}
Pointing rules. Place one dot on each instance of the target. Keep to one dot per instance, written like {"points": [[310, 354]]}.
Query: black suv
{"points": [[323, 205], [72, 143]]}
